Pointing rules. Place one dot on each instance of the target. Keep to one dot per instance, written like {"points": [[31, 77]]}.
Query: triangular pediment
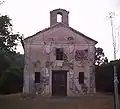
{"points": [[60, 32]]}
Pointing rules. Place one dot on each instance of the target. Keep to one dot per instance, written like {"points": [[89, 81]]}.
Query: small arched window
{"points": [[59, 17]]}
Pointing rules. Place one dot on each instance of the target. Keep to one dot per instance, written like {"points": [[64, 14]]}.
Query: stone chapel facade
{"points": [[59, 60]]}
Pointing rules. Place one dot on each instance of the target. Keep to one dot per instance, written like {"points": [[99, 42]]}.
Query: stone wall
{"points": [[77, 58]]}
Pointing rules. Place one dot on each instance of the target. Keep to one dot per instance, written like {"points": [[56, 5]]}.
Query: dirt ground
{"points": [[16, 101]]}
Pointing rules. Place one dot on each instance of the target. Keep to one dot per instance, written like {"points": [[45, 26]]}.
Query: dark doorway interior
{"points": [[59, 83]]}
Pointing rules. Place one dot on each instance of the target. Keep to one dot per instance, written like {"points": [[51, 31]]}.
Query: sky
{"points": [[87, 16]]}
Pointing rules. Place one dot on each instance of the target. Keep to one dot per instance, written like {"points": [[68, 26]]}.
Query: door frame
{"points": [[67, 82]]}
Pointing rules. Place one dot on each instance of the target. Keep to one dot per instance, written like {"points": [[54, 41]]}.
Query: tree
{"points": [[1, 2], [21, 38], [100, 57], [10, 61], [104, 76], [8, 40], [12, 78]]}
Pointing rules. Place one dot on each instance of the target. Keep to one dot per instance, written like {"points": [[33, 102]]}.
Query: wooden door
{"points": [[59, 83]]}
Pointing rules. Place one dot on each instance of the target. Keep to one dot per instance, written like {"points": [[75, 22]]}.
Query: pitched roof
{"points": [[61, 24]]}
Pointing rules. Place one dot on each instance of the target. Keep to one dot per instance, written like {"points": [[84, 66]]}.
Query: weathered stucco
{"points": [[78, 57]]}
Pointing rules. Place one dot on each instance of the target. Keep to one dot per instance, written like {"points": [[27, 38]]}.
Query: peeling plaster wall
{"points": [[40, 57]]}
